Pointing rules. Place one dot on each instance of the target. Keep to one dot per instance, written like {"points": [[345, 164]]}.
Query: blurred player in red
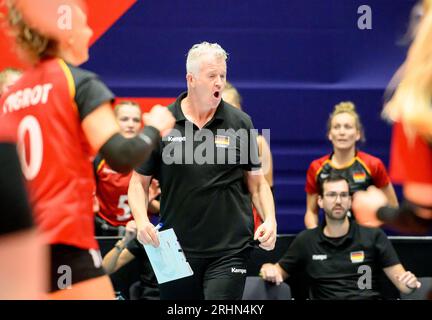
{"points": [[111, 186], [60, 115], [410, 111]]}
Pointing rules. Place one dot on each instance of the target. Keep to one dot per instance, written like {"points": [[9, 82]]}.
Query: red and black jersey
{"points": [[410, 160], [363, 171], [46, 107], [111, 192]]}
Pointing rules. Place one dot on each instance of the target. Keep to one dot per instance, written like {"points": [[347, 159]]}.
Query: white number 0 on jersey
{"points": [[31, 125]]}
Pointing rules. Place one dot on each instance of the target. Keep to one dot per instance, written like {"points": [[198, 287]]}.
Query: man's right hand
{"points": [[160, 118], [147, 234], [272, 273]]}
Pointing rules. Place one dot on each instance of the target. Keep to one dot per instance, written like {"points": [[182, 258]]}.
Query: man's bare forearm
{"points": [[264, 202], [138, 200]]}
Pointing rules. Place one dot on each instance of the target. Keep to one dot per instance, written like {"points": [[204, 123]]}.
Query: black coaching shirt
{"points": [[336, 266], [202, 177]]}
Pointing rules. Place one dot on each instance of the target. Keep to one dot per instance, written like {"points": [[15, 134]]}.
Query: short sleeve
{"points": [[387, 255], [292, 260], [151, 166], [311, 183], [90, 91], [380, 176], [253, 162]]}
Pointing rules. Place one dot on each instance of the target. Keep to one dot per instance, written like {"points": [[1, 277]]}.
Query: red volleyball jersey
{"points": [[7, 130], [46, 107], [111, 192], [363, 171], [410, 161]]}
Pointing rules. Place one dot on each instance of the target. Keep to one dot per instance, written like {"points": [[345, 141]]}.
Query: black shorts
{"points": [[70, 265], [218, 278]]}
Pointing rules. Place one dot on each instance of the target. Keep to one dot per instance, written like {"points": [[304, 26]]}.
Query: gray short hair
{"points": [[200, 49]]}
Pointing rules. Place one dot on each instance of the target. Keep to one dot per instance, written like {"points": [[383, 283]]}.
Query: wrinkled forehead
{"points": [[210, 61]]}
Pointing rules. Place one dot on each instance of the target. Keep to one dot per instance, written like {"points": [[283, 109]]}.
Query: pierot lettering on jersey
{"points": [[27, 97]]}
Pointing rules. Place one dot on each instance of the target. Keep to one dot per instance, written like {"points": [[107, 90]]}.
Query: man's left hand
{"points": [[409, 280]]}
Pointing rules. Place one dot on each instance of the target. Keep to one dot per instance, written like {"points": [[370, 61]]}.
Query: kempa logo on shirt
{"points": [[175, 139], [235, 270], [320, 257]]}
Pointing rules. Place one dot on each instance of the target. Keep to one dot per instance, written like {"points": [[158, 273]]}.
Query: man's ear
{"points": [[190, 79], [320, 202]]}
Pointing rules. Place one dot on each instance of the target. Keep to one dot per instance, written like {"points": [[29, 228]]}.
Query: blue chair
{"points": [[258, 289], [422, 293]]}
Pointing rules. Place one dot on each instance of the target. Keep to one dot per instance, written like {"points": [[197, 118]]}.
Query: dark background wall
{"points": [[291, 60]]}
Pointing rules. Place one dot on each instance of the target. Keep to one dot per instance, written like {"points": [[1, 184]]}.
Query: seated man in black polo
{"points": [[341, 258]]}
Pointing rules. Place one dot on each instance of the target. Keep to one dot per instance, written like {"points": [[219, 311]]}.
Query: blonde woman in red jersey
{"points": [[61, 115], [361, 169]]}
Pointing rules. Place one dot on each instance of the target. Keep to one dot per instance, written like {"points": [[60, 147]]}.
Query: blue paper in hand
{"points": [[168, 261]]}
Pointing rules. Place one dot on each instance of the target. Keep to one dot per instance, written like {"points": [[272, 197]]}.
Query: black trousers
{"points": [[218, 278]]}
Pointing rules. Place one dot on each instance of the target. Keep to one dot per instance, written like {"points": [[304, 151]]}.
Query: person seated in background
{"points": [[111, 200], [361, 169], [341, 258], [231, 95], [8, 77], [126, 250]]}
